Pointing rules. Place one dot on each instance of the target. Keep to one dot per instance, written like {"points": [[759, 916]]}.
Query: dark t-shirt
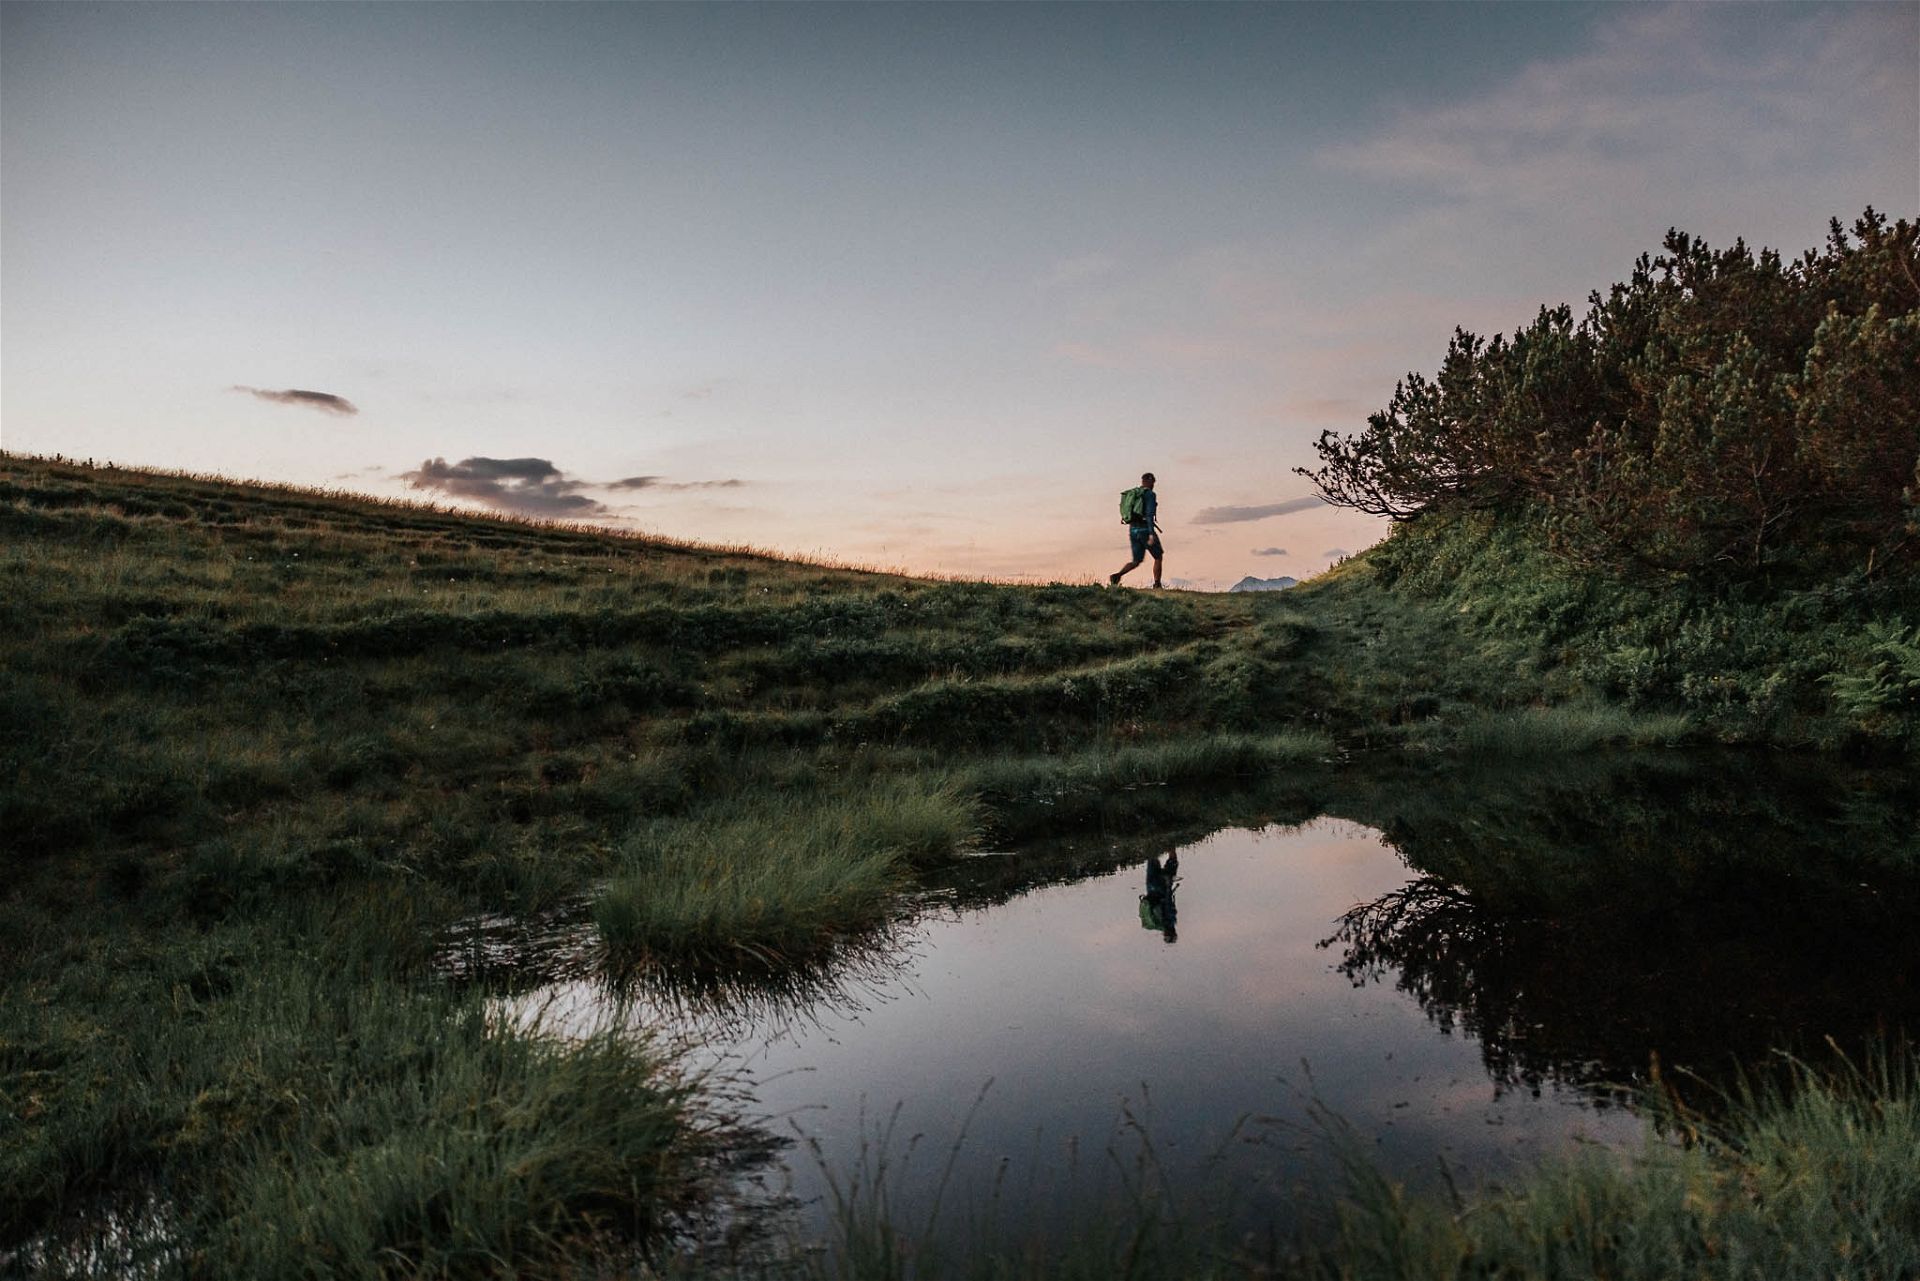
{"points": [[1149, 509]]}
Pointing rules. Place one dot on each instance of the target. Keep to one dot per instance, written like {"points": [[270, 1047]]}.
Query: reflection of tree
{"points": [[1455, 959], [1575, 925]]}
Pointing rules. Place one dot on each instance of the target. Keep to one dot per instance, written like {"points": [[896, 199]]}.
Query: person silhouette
{"points": [[1143, 533], [1157, 909]]}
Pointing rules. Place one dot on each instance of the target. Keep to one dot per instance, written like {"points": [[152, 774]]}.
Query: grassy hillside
{"points": [[225, 693], [1832, 664], [262, 747], [232, 689]]}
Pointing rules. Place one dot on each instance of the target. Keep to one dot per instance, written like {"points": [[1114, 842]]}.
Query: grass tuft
{"points": [[297, 1118], [1569, 727], [780, 878], [1811, 1176]]}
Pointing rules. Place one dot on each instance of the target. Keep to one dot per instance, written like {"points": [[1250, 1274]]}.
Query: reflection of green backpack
{"points": [[1133, 505]]}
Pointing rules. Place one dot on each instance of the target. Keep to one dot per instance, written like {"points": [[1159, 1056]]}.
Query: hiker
{"points": [[1138, 507], [1156, 905]]}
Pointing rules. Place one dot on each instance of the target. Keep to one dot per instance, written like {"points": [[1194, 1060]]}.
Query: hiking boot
{"points": [[1113, 580]]}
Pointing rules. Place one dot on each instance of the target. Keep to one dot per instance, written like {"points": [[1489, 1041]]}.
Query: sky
{"points": [[918, 286]]}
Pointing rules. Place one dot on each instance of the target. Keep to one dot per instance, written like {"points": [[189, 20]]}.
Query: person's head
{"points": [[1146, 478]]}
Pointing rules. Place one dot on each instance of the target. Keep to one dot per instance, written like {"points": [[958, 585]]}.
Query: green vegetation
{"points": [[285, 1110], [1811, 1175], [1824, 665], [1720, 414], [1815, 1178], [776, 881], [1703, 497], [262, 748]]}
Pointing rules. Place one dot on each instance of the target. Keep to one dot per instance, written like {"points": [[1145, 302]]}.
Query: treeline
{"points": [[1724, 414]]}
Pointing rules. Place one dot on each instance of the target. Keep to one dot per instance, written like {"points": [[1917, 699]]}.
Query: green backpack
{"points": [[1133, 505]]}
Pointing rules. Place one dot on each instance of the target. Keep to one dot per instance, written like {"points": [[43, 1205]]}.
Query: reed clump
{"points": [[774, 880], [1809, 1175]]}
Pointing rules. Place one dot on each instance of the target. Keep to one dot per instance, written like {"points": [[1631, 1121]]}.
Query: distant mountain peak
{"points": [[1252, 584]]}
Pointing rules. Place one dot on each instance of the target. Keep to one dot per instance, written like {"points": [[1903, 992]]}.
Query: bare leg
{"points": [[1156, 570], [1122, 572]]}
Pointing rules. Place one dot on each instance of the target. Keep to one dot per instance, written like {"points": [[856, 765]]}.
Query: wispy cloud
{"points": [[325, 401], [524, 486], [1707, 96], [662, 483], [1335, 553], [1233, 515], [1269, 551]]}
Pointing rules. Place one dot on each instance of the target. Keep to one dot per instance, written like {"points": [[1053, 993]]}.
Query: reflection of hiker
{"points": [[1138, 507], [1156, 905]]}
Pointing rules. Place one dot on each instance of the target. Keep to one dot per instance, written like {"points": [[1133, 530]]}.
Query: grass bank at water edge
{"points": [[1813, 1176]]}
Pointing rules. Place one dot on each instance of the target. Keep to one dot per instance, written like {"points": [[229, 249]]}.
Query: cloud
{"points": [[1269, 551], [325, 401], [536, 487], [661, 482], [1232, 515], [1335, 553], [524, 486], [1666, 100]]}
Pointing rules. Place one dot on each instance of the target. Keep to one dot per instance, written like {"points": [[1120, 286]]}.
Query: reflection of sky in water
{"points": [[1075, 1011]]}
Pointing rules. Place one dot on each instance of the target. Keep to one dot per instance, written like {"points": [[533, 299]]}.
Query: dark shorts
{"points": [[1145, 540]]}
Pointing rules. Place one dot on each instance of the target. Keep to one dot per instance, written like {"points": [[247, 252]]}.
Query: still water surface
{"points": [[1471, 970], [1076, 1007]]}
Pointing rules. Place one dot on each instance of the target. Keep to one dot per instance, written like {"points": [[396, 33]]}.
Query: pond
{"points": [[1465, 974]]}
